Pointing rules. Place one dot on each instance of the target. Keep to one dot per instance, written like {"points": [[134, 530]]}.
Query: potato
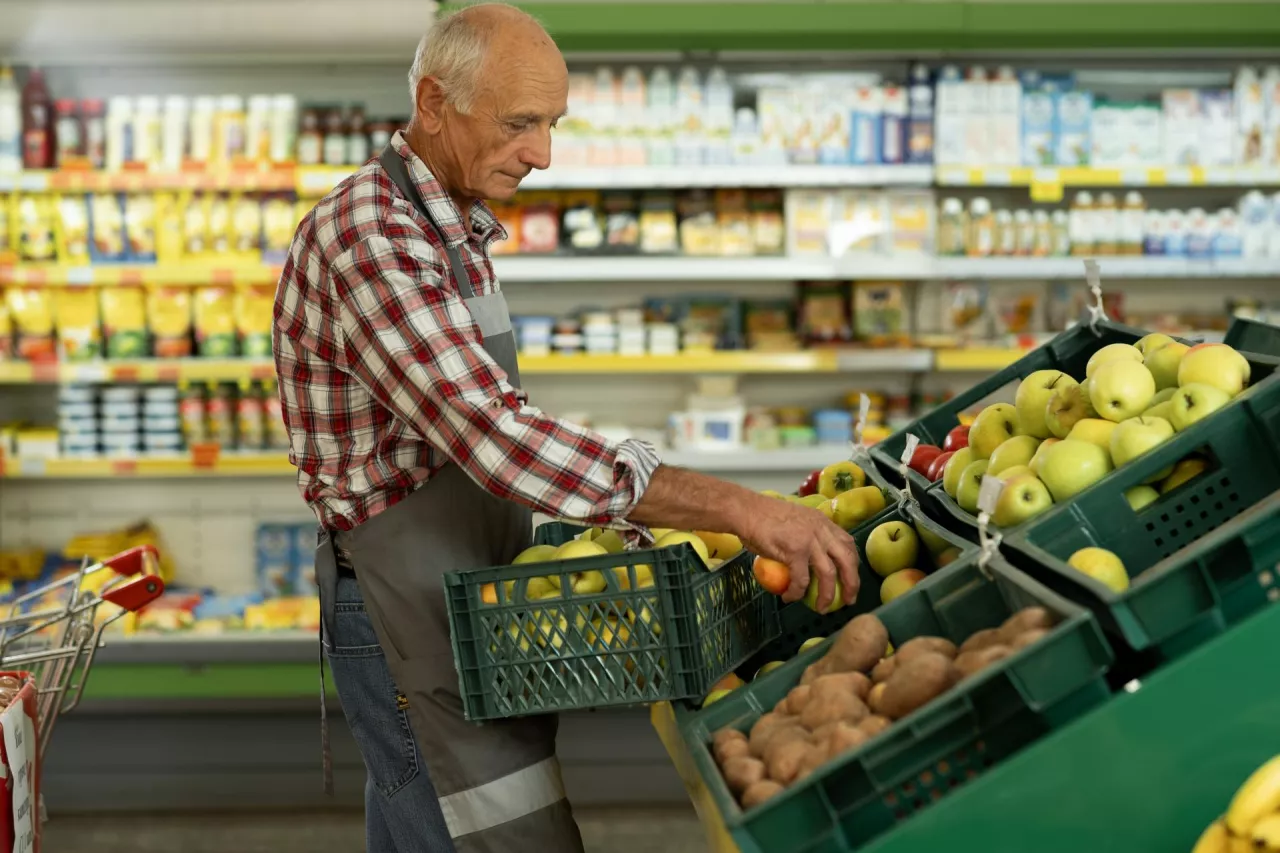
{"points": [[1027, 638], [1026, 619], [921, 645], [814, 671], [742, 772], [724, 738], [970, 663], [858, 645], [979, 640], [844, 737], [883, 670], [916, 682], [832, 708], [815, 759], [841, 682], [874, 725], [779, 739], [797, 699], [784, 762], [759, 792], [875, 697], [780, 707], [764, 726]]}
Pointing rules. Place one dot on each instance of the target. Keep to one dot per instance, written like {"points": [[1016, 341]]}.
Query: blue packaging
{"points": [[1175, 234], [1200, 234], [1228, 235], [920, 117], [1039, 139], [305, 537], [864, 125], [833, 426], [1073, 119], [275, 560], [893, 125]]}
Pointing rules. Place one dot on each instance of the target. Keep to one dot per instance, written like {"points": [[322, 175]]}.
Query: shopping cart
{"points": [[54, 631]]}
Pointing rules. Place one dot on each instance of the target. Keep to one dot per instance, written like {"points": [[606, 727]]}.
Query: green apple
{"points": [[898, 583], [1101, 565], [1184, 470], [677, 536], [992, 427], [1094, 430], [1032, 400], [1140, 496], [1068, 404], [891, 547], [1111, 352], [810, 643], [954, 467], [1195, 401], [577, 548], [969, 484], [1014, 451], [1164, 395], [1071, 466], [610, 540], [1161, 410], [1121, 389], [1148, 344], [588, 583], [811, 597], [768, 668], [1016, 471], [1038, 459], [1214, 364], [1164, 362], [535, 554], [933, 543], [538, 588], [1021, 498], [1133, 437]]}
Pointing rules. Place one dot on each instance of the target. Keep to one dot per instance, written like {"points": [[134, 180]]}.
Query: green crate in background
{"points": [[798, 623], [672, 640], [1199, 558], [1253, 336], [940, 746]]}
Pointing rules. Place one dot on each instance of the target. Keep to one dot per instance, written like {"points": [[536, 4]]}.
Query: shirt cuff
{"points": [[633, 467]]}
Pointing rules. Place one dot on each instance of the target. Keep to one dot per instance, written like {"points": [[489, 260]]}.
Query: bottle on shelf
{"points": [[357, 137], [982, 229], [310, 138], [1106, 223], [335, 137], [119, 127], [10, 122], [93, 118], [1081, 222], [204, 110], [257, 129], [176, 123], [68, 133], [284, 128], [37, 123], [1132, 219], [228, 130]]}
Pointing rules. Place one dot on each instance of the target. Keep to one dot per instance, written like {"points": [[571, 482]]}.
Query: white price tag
{"points": [[909, 450], [33, 182], [19, 745], [989, 493], [860, 425], [31, 466], [80, 276]]}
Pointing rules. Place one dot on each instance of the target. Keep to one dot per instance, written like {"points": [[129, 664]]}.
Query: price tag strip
{"points": [[1092, 275], [988, 495], [858, 452], [904, 467]]}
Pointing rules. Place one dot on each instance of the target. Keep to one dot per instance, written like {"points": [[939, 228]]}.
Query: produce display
{"points": [[1252, 819]]}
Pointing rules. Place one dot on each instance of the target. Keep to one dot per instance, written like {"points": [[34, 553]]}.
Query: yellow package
{"points": [[254, 307], [219, 240], [246, 225], [169, 236], [108, 227], [7, 253], [31, 310], [6, 331], [73, 222], [195, 226], [279, 222], [79, 331], [169, 316], [215, 317], [124, 321], [140, 225], [35, 229]]}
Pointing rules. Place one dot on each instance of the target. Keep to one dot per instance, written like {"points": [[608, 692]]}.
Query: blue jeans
{"points": [[402, 811]]}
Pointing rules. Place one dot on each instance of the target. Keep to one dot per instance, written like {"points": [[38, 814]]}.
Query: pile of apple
{"points": [[1062, 435], [838, 491]]}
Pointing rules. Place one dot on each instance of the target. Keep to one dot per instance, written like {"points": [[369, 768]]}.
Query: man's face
{"points": [[507, 132]]}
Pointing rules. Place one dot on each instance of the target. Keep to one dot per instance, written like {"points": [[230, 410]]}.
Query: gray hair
{"points": [[453, 52]]}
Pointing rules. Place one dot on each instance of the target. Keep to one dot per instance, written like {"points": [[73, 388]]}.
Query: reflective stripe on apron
{"points": [[498, 782]]}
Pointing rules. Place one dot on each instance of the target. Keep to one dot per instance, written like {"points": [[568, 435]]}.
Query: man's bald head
{"points": [[455, 52]]}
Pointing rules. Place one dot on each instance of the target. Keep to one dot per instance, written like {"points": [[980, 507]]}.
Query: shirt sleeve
{"points": [[415, 347]]}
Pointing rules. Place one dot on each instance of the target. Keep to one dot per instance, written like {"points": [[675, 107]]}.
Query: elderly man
{"points": [[418, 452]]}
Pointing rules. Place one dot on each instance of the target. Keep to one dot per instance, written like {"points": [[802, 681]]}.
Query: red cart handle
{"points": [[132, 561], [136, 594]]}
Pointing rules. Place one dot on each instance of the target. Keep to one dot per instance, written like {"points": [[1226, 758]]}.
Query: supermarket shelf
{"points": [[186, 273], [795, 459], [250, 179], [975, 360], [811, 361], [564, 269], [1085, 176], [1111, 267], [142, 370], [196, 649]]}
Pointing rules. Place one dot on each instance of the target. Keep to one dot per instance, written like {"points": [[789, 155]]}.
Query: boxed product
{"points": [[893, 125], [975, 95], [659, 234], [880, 313], [1039, 143], [867, 109], [858, 223], [698, 226], [581, 225], [1004, 104], [1073, 115], [79, 332], [1217, 128], [808, 221], [31, 312], [36, 218], [1251, 118], [1183, 120], [768, 229], [304, 550], [215, 322], [824, 314], [950, 114], [276, 559]]}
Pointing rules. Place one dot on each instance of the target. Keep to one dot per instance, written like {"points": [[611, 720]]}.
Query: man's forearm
{"points": [[678, 497]]}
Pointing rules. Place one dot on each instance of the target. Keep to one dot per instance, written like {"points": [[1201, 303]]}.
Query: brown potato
{"points": [[844, 737], [917, 646], [832, 708], [784, 762], [1026, 619], [742, 772], [781, 737], [916, 682], [969, 663], [841, 682], [812, 761], [762, 727], [733, 749], [858, 645], [759, 792], [875, 697], [814, 671], [979, 640], [797, 699], [728, 742], [874, 725], [883, 670], [1027, 638]]}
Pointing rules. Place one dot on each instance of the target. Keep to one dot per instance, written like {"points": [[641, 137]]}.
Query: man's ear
{"points": [[431, 105]]}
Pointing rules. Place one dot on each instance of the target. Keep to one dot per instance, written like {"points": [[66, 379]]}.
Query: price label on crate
{"points": [[989, 494], [909, 450]]}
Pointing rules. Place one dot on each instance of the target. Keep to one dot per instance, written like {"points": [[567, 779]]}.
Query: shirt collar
{"points": [[445, 213]]}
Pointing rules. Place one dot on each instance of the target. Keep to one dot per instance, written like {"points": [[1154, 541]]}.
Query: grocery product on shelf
{"points": [[10, 124]]}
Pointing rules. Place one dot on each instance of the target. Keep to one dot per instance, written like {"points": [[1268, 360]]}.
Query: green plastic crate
{"points": [[1253, 336], [940, 746], [798, 623], [672, 640], [1199, 557]]}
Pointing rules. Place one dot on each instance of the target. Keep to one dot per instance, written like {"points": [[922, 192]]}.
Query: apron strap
{"points": [[395, 167]]}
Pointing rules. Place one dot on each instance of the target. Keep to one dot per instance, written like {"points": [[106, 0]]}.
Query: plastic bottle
{"points": [[953, 228], [357, 137], [284, 128], [148, 133], [1080, 223], [228, 129], [175, 125], [1006, 238], [119, 124], [93, 118], [10, 123], [310, 138], [257, 129], [660, 112], [1106, 224], [68, 133], [37, 123], [1060, 222], [1132, 223], [982, 229], [204, 111], [335, 137], [1024, 233], [1042, 242]]}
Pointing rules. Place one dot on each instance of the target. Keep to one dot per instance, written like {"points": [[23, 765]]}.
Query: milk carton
{"points": [[772, 108], [1073, 113], [1182, 125], [1175, 233], [893, 125], [1146, 131], [1109, 139], [1255, 224], [950, 116], [1217, 128], [835, 125], [1271, 116], [1154, 231], [920, 138], [976, 101], [1251, 118], [1004, 101], [1199, 233], [1039, 146], [864, 135]]}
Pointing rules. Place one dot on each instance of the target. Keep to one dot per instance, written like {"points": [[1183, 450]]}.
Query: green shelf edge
{"points": [[147, 681], [959, 25]]}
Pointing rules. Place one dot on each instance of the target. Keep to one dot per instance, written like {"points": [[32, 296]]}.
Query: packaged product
{"points": [[880, 313], [169, 228], [254, 306], [953, 228], [768, 230], [981, 241], [1074, 115], [581, 228], [219, 415], [658, 231], [278, 226], [7, 244], [1081, 222], [304, 550], [107, 216], [735, 223], [910, 223], [35, 229], [124, 321], [1106, 225], [246, 225], [710, 322], [273, 418], [621, 222], [1006, 235], [73, 221], [966, 312], [191, 410], [1016, 311], [509, 217], [215, 322], [249, 417], [31, 312], [1024, 229], [858, 222], [808, 222], [6, 328], [79, 332], [169, 315], [540, 225], [824, 314], [275, 558], [768, 325], [699, 229], [140, 226], [195, 226], [219, 235]]}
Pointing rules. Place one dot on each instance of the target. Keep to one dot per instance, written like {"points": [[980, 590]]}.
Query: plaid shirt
{"points": [[384, 378]]}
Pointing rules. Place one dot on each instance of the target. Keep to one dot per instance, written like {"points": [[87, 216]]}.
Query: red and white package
{"points": [[19, 767]]}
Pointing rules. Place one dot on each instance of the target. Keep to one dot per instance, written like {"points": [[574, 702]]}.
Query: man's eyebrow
{"points": [[534, 117]]}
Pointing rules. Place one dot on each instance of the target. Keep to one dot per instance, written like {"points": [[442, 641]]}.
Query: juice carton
{"points": [[1251, 118], [1217, 128], [1073, 112], [865, 121], [976, 98], [893, 125], [950, 117], [1182, 125], [1004, 100], [1039, 143], [920, 137], [276, 559]]}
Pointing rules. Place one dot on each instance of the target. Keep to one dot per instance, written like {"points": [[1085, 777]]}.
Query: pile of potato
{"points": [[854, 692]]}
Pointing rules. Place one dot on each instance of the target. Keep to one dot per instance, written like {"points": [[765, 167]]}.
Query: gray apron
{"points": [[499, 782]]}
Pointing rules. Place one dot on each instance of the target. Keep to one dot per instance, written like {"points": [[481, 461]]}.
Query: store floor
{"points": [[630, 830]]}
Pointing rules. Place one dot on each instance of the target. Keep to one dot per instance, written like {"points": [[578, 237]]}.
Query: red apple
{"points": [[956, 439], [939, 462], [923, 458]]}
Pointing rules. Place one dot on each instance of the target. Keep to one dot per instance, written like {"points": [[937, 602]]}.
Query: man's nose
{"points": [[537, 154]]}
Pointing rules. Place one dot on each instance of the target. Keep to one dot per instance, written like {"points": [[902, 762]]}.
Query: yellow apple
{"points": [[1121, 389], [678, 536], [1111, 352], [809, 643], [1148, 344], [1214, 364], [1140, 496], [1032, 399], [535, 554], [722, 545], [768, 668], [898, 583], [1187, 469], [1038, 459], [1015, 471], [1163, 362], [1015, 451], [1101, 565], [610, 540], [577, 548], [1095, 431], [992, 427]]}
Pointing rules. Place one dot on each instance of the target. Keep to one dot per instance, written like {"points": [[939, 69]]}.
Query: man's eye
{"points": [[518, 126]]}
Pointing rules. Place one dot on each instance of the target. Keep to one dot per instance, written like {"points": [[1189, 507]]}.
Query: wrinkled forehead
{"points": [[525, 73]]}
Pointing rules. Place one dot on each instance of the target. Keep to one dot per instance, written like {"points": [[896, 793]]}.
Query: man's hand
{"points": [[803, 539]]}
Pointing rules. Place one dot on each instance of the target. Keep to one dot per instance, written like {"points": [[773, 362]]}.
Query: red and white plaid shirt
{"points": [[383, 378]]}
